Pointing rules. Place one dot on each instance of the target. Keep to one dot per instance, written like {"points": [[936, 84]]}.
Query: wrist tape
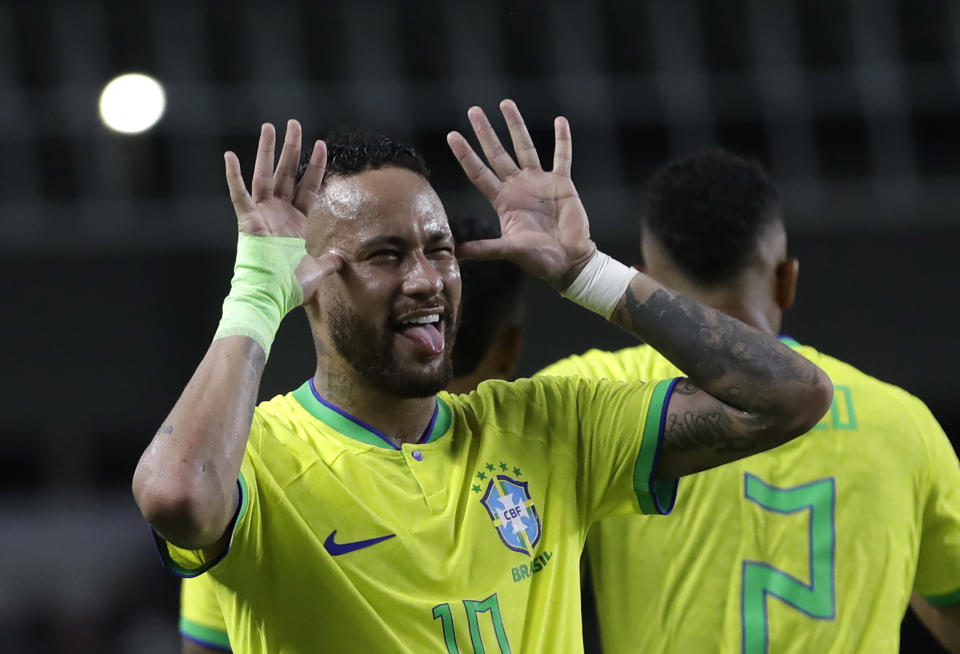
{"points": [[264, 287], [600, 284]]}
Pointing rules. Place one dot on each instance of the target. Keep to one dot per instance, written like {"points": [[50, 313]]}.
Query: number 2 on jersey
{"points": [[816, 600], [473, 608]]}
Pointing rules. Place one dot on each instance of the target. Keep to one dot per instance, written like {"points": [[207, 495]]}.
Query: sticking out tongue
{"points": [[428, 336]]}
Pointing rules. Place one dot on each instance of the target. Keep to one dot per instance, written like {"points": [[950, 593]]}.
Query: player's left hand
{"points": [[543, 224]]}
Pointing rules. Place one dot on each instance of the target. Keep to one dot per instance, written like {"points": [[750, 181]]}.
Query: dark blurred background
{"points": [[116, 250]]}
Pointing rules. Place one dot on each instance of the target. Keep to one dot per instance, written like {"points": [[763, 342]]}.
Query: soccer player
{"points": [[812, 547], [366, 510], [487, 347]]}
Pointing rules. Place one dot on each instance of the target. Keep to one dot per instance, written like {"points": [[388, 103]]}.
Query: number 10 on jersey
{"points": [[473, 608]]}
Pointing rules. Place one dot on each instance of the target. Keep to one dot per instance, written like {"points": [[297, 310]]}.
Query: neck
{"points": [[749, 299], [401, 419], [746, 314], [748, 303]]}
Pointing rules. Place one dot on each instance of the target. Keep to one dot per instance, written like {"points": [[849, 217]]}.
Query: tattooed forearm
{"points": [[674, 326], [746, 393], [726, 357], [709, 343], [701, 432], [685, 387], [690, 431]]}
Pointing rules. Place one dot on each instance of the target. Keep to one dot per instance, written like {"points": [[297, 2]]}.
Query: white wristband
{"points": [[600, 284]]}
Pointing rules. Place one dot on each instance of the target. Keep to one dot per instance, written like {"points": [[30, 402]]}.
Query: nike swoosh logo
{"points": [[336, 549]]}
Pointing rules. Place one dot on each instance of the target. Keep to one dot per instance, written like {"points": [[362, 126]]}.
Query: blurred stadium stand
{"points": [[855, 106], [115, 250]]}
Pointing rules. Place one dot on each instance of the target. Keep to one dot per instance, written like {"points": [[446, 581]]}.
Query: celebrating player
{"points": [[366, 510], [487, 347], [813, 547]]}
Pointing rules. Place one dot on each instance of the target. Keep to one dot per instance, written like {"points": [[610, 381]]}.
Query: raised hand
{"points": [[543, 224], [272, 208], [276, 204]]}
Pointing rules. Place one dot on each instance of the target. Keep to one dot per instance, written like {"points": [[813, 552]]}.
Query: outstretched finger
{"points": [[477, 171], [491, 248], [262, 184], [500, 160], [242, 202], [309, 187], [522, 143], [563, 147], [313, 270], [285, 178]]}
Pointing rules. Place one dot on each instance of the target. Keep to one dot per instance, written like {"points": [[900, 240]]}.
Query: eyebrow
{"points": [[401, 242], [433, 237], [376, 241]]}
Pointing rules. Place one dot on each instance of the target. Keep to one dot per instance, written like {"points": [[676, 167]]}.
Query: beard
{"points": [[369, 350]]}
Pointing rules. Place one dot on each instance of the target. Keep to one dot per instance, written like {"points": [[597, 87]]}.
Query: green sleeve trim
{"points": [[204, 635], [947, 599], [187, 573], [789, 342], [244, 502], [656, 496]]}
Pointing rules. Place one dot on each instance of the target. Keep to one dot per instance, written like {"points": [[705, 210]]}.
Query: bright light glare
{"points": [[132, 103]]}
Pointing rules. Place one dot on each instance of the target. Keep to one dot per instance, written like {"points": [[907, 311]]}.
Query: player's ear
{"points": [[787, 272]]}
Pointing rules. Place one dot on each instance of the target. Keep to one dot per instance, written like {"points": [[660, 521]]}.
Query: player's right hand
{"points": [[276, 204]]}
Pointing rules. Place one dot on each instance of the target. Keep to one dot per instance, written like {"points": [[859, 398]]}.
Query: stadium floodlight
{"points": [[132, 103]]}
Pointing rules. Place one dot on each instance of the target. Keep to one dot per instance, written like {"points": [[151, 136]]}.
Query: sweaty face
{"points": [[391, 314]]}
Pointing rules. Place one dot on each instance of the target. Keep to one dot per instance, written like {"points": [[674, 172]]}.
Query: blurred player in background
{"points": [[815, 546], [370, 511], [491, 323], [487, 347]]}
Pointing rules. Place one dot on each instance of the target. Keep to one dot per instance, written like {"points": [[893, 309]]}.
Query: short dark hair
{"points": [[351, 151], [708, 211], [492, 296]]}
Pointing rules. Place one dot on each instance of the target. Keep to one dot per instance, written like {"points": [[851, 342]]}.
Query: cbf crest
{"points": [[513, 513]]}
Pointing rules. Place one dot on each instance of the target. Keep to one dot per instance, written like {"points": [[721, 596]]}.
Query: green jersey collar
{"points": [[352, 427]]}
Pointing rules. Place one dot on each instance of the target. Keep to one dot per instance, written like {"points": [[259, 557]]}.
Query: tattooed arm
{"points": [[186, 481], [746, 391]]}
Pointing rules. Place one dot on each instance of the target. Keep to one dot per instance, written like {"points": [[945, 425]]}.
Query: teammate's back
{"points": [[823, 539], [821, 542]]}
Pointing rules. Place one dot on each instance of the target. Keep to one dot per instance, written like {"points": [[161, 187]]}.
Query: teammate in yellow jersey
{"points": [[487, 347], [366, 510], [813, 547]]}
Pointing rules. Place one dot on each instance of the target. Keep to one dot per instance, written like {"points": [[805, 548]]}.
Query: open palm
{"points": [[543, 224]]}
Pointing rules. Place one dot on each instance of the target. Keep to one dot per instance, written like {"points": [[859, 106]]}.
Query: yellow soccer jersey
{"points": [[201, 619], [812, 547], [468, 541]]}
